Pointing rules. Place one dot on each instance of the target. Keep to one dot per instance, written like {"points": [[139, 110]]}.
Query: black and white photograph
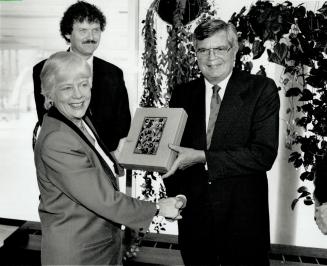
{"points": [[236, 177]]}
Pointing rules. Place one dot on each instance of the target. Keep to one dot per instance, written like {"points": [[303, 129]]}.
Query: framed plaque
{"points": [[152, 129]]}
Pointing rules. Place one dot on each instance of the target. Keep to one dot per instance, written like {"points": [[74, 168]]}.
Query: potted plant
{"points": [[296, 39], [292, 37], [165, 67]]}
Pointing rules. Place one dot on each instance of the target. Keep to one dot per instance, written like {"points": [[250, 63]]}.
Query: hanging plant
{"points": [[152, 76], [179, 60], [164, 69], [296, 39]]}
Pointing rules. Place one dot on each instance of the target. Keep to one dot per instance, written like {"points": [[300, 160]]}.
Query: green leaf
{"points": [[308, 201], [304, 194], [295, 91], [294, 203], [303, 122], [281, 50], [298, 163], [294, 156], [306, 95], [302, 189]]}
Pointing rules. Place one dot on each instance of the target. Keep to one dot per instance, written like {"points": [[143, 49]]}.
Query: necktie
{"points": [[214, 109]]}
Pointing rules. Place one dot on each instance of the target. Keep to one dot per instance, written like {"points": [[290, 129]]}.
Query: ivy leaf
{"points": [[317, 102], [304, 194], [294, 156], [302, 189], [281, 50], [306, 95], [308, 159], [257, 49], [307, 108], [315, 81], [308, 201], [292, 92], [323, 9], [303, 121], [294, 203], [262, 71], [297, 163], [273, 57], [306, 176]]}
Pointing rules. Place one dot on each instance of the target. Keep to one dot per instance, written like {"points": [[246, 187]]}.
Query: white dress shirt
{"points": [[99, 149]]}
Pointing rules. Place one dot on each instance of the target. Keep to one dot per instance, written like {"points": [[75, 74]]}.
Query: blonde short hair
{"points": [[57, 63]]}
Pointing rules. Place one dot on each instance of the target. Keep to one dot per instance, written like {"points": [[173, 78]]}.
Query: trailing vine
{"points": [[179, 60], [163, 70], [152, 75]]}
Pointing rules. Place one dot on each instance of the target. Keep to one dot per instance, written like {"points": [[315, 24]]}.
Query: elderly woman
{"points": [[81, 208]]}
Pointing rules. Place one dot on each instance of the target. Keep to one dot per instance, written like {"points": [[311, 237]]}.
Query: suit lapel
{"points": [[230, 108], [96, 72], [198, 109], [53, 112]]}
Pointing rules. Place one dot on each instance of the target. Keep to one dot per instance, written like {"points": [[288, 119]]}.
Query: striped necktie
{"points": [[214, 109]]}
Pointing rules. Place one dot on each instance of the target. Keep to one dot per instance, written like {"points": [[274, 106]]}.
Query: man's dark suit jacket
{"points": [[320, 191], [109, 107], [243, 147]]}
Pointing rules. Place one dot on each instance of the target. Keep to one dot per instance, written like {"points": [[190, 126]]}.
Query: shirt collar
{"points": [[89, 61], [222, 85]]}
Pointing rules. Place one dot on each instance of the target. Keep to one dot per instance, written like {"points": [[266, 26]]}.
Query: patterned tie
{"points": [[214, 109]]}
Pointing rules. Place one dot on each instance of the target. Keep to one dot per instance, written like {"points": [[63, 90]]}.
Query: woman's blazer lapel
{"points": [[53, 112]]}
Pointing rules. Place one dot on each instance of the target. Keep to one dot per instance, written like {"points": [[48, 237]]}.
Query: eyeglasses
{"points": [[221, 50]]}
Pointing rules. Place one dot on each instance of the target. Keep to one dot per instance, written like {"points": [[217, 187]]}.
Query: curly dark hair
{"points": [[79, 12]]}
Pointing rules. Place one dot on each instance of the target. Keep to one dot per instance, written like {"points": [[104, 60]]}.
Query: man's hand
{"points": [[185, 158], [171, 207], [321, 217], [181, 201]]}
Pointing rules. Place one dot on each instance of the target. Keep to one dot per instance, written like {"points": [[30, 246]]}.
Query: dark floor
{"points": [[22, 257], [18, 257]]}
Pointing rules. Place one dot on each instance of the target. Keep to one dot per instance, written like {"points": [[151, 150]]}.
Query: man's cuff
{"points": [[183, 199]]}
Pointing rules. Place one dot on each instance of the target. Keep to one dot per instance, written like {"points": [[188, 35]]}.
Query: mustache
{"points": [[89, 41]]}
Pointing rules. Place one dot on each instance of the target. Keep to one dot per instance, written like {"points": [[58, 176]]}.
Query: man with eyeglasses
{"points": [[229, 143]]}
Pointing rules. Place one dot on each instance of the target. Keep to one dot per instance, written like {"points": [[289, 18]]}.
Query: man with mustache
{"points": [[81, 26]]}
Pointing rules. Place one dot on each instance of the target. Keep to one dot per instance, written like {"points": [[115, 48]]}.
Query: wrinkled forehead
{"points": [[74, 71]]}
